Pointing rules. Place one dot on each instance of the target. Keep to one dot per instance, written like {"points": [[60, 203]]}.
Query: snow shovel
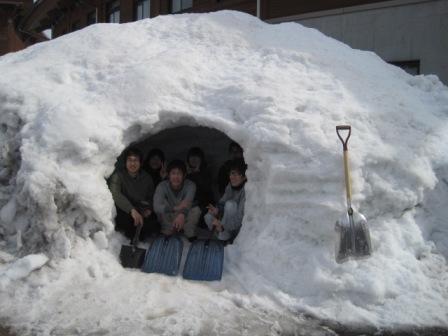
{"points": [[204, 260], [354, 237], [164, 256], [131, 256]]}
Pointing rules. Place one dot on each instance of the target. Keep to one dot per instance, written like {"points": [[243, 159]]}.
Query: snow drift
{"points": [[71, 105]]}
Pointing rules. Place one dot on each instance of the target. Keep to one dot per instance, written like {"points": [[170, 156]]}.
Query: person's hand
{"points": [[138, 219], [182, 205], [212, 210], [147, 213], [179, 222], [217, 225]]}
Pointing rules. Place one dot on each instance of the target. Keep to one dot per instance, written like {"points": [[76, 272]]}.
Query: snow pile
{"points": [[71, 105]]}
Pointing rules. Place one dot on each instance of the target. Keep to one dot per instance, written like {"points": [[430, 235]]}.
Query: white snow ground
{"points": [[68, 108]]}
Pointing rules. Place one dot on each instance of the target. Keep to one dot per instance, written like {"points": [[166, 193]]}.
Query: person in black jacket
{"points": [[154, 165]]}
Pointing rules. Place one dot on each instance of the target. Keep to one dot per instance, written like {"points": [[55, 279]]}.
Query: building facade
{"points": [[11, 12], [412, 34], [65, 16]]}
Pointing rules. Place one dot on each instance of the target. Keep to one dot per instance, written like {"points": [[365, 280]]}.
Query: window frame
{"points": [[137, 4], [112, 11], [75, 25], [182, 7], [405, 65], [89, 17]]}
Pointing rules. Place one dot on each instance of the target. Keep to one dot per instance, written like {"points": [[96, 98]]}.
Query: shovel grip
{"points": [[344, 128]]}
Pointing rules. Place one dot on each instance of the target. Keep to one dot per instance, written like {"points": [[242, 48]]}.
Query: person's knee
{"points": [[194, 214]]}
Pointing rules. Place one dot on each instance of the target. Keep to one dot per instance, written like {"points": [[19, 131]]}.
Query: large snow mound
{"points": [[70, 106]]}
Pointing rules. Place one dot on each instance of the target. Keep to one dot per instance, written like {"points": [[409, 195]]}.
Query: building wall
{"points": [[9, 39], [271, 9], [127, 9], [248, 6], [403, 30]]}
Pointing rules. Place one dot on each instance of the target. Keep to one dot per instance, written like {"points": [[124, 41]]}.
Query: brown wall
{"points": [[271, 9], [201, 6], [9, 39], [158, 7]]}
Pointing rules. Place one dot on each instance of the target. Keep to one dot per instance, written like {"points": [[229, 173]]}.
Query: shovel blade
{"points": [[354, 237], [132, 257]]}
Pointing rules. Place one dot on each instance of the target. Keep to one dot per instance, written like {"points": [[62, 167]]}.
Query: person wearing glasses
{"points": [[235, 152], [226, 217], [132, 191]]}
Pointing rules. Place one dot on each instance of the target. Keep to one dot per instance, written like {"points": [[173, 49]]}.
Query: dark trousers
{"points": [[125, 223]]}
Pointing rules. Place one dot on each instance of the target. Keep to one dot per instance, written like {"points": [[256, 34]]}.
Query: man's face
{"points": [[155, 163], [176, 178], [236, 178], [132, 164]]}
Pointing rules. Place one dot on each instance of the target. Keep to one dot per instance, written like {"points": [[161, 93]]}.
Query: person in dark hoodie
{"points": [[132, 191], [227, 217], [197, 172], [155, 165], [173, 202]]}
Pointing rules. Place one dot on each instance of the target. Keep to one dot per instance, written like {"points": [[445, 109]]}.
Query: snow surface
{"points": [[71, 105]]}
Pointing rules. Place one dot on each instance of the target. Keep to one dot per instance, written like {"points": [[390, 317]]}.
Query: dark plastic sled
{"points": [[204, 261], [164, 256]]}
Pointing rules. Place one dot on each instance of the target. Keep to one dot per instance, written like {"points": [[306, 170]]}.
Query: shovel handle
{"points": [[348, 187], [136, 236], [344, 128]]}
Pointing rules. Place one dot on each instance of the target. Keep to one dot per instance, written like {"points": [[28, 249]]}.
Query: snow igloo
{"points": [[70, 106]]}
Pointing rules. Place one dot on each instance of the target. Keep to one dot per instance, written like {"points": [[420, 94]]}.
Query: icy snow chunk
{"points": [[100, 240], [21, 268], [5, 257], [8, 212]]}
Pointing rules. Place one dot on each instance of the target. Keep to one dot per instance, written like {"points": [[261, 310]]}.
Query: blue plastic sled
{"points": [[204, 261], [164, 256]]}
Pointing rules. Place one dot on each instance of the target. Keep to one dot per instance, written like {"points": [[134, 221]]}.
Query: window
{"points": [[180, 5], [76, 25], [91, 18], [411, 67], [113, 12], [142, 9]]}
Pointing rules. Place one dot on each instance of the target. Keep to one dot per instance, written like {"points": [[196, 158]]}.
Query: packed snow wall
{"points": [[70, 106]]}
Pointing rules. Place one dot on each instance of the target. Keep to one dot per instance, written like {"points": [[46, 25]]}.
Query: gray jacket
{"points": [[165, 198], [237, 196]]}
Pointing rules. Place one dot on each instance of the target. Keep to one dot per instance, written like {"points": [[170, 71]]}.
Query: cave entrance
{"points": [[176, 144]]}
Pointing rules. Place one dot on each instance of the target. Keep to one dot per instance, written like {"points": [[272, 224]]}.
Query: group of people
{"points": [[179, 197]]}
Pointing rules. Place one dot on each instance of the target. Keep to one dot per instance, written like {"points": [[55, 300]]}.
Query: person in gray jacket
{"points": [[173, 201], [132, 190], [227, 217]]}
